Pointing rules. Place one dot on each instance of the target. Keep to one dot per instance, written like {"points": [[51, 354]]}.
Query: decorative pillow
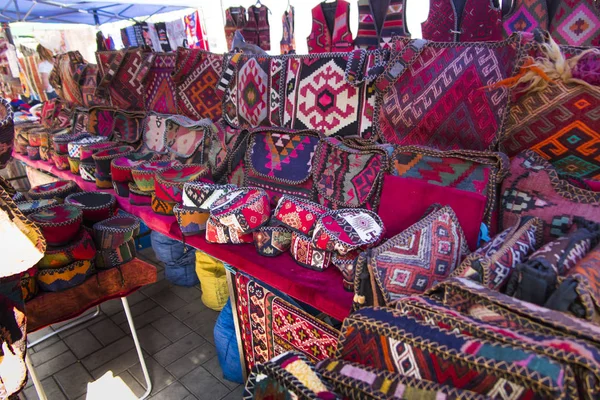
{"points": [[80, 249], [343, 231], [298, 215], [186, 138], [128, 126], [154, 133], [271, 241], [202, 195], [280, 162], [196, 76], [113, 232], [143, 175], [191, 220], [96, 206], [111, 258], [243, 209], [161, 94], [221, 234], [434, 94], [59, 279], [30, 207], [33, 152], [53, 190], [306, 255], [493, 263], [348, 176], [101, 121], [168, 183], [59, 224], [535, 188], [411, 262]]}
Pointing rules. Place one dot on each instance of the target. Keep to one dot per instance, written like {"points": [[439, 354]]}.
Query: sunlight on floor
{"points": [[109, 386]]}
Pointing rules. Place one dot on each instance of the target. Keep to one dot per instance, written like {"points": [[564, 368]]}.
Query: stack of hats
{"points": [[45, 149], [115, 240], [21, 138], [87, 166], [95, 206], [103, 159], [168, 185], [33, 149], [120, 170], [60, 142], [141, 191], [75, 150], [58, 190]]}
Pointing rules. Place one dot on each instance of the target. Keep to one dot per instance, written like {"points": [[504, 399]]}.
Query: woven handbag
{"points": [[186, 140], [88, 84], [161, 94], [101, 121], [433, 94], [128, 127], [67, 82]]}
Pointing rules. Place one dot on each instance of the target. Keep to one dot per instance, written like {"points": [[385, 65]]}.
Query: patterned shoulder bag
{"points": [[436, 94], [89, 83], [223, 140], [69, 77], [80, 121], [101, 121], [128, 127], [186, 140], [161, 95], [280, 161]]}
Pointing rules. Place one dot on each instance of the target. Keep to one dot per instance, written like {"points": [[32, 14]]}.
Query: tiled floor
{"points": [[176, 334]]}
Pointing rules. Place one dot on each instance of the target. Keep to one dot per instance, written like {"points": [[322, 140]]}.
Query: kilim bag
{"points": [[221, 234], [221, 149], [411, 262], [67, 66], [202, 195], [63, 115], [272, 241], [493, 263], [47, 113], [535, 188], [196, 76], [7, 131], [297, 214], [244, 209], [434, 94], [122, 76], [153, 133], [89, 83], [349, 176], [280, 162], [308, 256], [161, 94], [186, 139], [385, 339], [80, 121], [128, 126], [101, 121]]}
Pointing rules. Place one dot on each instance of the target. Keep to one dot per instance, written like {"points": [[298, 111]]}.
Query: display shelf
{"points": [[322, 290]]}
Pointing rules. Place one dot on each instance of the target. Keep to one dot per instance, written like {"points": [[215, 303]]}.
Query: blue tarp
{"points": [[78, 12]]}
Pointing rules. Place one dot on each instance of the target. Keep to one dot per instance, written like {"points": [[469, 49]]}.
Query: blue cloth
{"points": [[179, 260], [227, 347]]}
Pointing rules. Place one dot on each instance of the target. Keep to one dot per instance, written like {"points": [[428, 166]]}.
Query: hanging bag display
{"points": [[161, 94]]}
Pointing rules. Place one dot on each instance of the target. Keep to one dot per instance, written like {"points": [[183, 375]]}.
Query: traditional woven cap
{"points": [[113, 232], [34, 139], [191, 220], [348, 229], [59, 224], [168, 183], [143, 175], [202, 194], [61, 141], [87, 171], [33, 206], [61, 161], [106, 259], [33, 152], [162, 207], [103, 158], [306, 255], [138, 197], [221, 234], [74, 147], [74, 165], [88, 150], [271, 241], [297, 214], [96, 206], [45, 153], [121, 167], [56, 280], [53, 190], [81, 248], [243, 209]]}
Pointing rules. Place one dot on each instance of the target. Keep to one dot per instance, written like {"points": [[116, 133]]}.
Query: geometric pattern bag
{"points": [[101, 121], [128, 126], [433, 93], [280, 161], [535, 188], [160, 88], [67, 66], [89, 83], [185, 138]]}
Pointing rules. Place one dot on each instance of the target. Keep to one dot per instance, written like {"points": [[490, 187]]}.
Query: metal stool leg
{"points": [[137, 347], [36, 382]]}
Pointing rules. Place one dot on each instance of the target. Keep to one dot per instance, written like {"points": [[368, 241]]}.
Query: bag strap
{"points": [[228, 74], [399, 64], [110, 73]]}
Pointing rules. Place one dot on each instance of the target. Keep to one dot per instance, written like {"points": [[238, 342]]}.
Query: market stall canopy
{"points": [[83, 12]]}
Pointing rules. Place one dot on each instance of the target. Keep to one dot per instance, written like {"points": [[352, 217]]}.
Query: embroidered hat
{"points": [[298, 215], [106, 259], [53, 190], [243, 209], [306, 255], [121, 167], [74, 147], [345, 264], [96, 206], [162, 207], [34, 139], [61, 141], [271, 241], [33, 152], [138, 197], [45, 153], [113, 232], [345, 230], [59, 224], [33, 206], [88, 150], [61, 161], [202, 194], [103, 158], [87, 170], [44, 138], [191, 220], [81, 248], [58, 279], [74, 165], [143, 175], [221, 234], [168, 183], [121, 188], [20, 147]]}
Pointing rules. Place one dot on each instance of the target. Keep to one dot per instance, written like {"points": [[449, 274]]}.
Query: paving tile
{"points": [[80, 326], [190, 310], [235, 394], [41, 356], [134, 298], [174, 391], [146, 318], [82, 343], [73, 380], [32, 337], [159, 286], [178, 349], [159, 376], [169, 300], [188, 294], [135, 387], [152, 340], [118, 364], [203, 385], [171, 327], [104, 355], [54, 365], [106, 331], [52, 390], [112, 307], [204, 317], [190, 397], [191, 360], [214, 367], [136, 310]]}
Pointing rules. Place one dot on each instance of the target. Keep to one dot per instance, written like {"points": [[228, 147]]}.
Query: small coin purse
{"points": [[203, 194], [221, 234], [271, 241], [298, 215], [306, 255], [243, 209]]}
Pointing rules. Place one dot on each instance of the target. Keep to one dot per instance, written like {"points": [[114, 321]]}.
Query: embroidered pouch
{"points": [[143, 175], [120, 168], [122, 75], [162, 207], [59, 279], [88, 150], [243, 209], [343, 231], [493, 263], [168, 183], [356, 381], [89, 83], [59, 224], [535, 188], [154, 133], [74, 147], [185, 138], [271, 241], [161, 94], [202, 195], [80, 121], [196, 76], [103, 158], [81, 248], [61, 141], [128, 126], [412, 261], [53, 190], [434, 93], [111, 258], [101, 121], [96, 206], [33, 152], [115, 231], [306, 255], [444, 357], [345, 264], [297, 214], [347, 176], [221, 234], [32, 206], [280, 162], [191, 220]]}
